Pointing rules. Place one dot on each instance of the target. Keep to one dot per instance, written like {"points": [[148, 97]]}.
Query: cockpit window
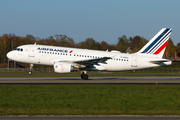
{"points": [[19, 49]]}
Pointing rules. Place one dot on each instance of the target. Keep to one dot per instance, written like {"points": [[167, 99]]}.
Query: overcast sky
{"points": [[102, 20]]}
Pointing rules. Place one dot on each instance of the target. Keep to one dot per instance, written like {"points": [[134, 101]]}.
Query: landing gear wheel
{"points": [[84, 76], [30, 69], [30, 73]]}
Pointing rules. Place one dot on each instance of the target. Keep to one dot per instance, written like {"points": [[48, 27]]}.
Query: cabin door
{"points": [[31, 51], [134, 61]]}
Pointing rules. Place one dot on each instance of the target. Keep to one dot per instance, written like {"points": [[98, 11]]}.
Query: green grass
{"points": [[89, 99]]}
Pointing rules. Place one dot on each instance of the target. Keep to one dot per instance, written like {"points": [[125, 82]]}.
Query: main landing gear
{"points": [[84, 75], [30, 69]]}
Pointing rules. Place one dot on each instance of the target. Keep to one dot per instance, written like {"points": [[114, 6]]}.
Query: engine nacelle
{"points": [[61, 67]]}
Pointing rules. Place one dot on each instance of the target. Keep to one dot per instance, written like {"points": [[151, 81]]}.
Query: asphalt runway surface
{"points": [[91, 80]]}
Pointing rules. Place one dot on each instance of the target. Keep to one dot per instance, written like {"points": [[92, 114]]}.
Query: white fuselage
{"points": [[47, 55]]}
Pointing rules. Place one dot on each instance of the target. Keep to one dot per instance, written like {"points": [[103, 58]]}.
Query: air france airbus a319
{"points": [[63, 59]]}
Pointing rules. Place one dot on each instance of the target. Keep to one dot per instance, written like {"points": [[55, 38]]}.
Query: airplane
{"points": [[64, 59]]}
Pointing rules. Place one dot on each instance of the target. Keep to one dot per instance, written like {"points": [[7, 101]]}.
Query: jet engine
{"points": [[62, 67]]}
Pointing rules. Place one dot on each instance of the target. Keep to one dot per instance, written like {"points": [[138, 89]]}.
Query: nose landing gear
{"points": [[30, 69]]}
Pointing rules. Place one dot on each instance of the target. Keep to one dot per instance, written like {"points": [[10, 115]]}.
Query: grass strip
{"points": [[89, 99]]}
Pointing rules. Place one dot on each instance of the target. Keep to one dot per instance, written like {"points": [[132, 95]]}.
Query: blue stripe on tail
{"points": [[160, 41], [155, 41]]}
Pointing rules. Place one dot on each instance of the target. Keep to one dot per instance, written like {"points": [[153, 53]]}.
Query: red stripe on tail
{"points": [[161, 48]]}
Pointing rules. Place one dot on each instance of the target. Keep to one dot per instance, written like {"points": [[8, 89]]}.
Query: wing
{"points": [[91, 62], [88, 63]]}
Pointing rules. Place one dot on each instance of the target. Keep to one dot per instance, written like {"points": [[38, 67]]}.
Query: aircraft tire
{"points": [[30, 73], [84, 76]]}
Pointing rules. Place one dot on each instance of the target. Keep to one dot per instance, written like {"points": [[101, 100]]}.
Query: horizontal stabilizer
{"points": [[159, 61]]}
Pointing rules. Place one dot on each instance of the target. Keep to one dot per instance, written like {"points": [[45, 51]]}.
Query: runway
{"points": [[91, 80]]}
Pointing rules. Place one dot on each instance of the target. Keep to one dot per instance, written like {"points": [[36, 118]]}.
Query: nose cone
{"points": [[9, 55]]}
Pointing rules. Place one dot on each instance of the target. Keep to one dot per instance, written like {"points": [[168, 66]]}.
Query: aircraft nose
{"points": [[9, 55]]}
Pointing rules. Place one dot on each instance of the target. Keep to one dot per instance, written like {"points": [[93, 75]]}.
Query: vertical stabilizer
{"points": [[156, 46]]}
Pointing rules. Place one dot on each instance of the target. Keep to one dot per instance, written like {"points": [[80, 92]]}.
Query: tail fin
{"points": [[156, 46]]}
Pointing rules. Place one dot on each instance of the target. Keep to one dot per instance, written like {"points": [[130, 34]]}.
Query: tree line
{"points": [[9, 42]]}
